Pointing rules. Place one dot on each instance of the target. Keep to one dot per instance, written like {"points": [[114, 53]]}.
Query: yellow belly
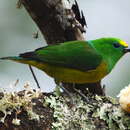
{"points": [[72, 75]]}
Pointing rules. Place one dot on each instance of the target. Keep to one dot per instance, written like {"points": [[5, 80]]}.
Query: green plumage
{"points": [[76, 61], [69, 54]]}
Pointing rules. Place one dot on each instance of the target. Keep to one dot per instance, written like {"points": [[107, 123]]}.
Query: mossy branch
{"points": [[34, 110]]}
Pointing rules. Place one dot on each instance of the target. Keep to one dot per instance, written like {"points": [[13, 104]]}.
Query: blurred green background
{"points": [[109, 18]]}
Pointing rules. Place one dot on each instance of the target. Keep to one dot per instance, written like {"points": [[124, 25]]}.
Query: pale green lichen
{"points": [[16, 121], [69, 117], [100, 113], [32, 115], [14, 101], [91, 113]]}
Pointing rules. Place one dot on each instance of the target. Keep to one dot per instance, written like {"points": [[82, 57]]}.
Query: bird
{"points": [[76, 62]]}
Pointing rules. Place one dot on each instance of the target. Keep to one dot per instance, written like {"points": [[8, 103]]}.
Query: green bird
{"points": [[76, 61]]}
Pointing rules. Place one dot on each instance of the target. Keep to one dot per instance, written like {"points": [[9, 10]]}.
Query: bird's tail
{"points": [[17, 59], [11, 58]]}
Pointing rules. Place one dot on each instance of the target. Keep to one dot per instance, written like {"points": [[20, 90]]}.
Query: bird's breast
{"points": [[70, 75]]}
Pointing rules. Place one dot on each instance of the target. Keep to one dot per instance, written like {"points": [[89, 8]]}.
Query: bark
{"points": [[56, 22]]}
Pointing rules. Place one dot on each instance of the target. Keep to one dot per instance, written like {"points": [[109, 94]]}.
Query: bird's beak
{"points": [[126, 50]]}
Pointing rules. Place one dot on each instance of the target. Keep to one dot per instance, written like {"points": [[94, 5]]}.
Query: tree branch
{"points": [[32, 109], [56, 22]]}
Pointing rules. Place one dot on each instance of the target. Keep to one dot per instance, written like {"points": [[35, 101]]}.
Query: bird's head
{"points": [[112, 49], [110, 46]]}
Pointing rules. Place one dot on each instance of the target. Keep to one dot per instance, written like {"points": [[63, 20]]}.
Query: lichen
{"points": [[100, 113], [67, 116], [63, 112], [14, 101], [16, 121]]}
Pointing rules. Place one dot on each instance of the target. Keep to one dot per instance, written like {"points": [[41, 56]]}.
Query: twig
{"points": [[34, 76]]}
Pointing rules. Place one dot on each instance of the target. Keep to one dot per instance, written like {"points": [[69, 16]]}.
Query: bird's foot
{"points": [[65, 91], [81, 94], [69, 94]]}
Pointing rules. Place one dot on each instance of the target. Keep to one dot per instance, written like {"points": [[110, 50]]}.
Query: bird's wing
{"points": [[75, 54]]}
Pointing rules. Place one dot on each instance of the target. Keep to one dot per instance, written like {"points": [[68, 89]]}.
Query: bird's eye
{"points": [[116, 45]]}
